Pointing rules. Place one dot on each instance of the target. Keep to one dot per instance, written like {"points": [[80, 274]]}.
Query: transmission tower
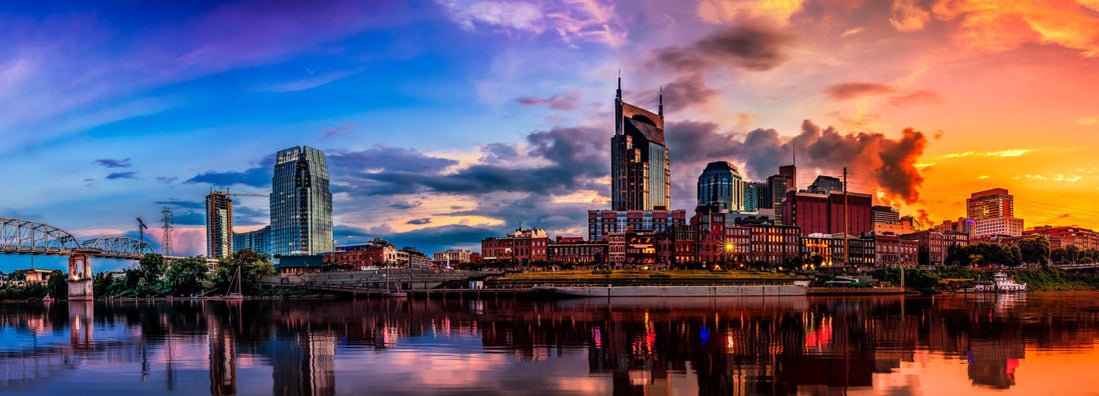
{"points": [[167, 226]]}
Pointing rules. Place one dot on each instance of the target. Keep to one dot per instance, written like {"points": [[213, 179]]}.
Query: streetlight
{"points": [[729, 247]]}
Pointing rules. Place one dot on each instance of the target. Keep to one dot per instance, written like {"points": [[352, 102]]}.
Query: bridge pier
{"points": [[80, 276]]}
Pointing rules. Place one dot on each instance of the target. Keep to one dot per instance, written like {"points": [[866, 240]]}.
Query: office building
{"points": [[828, 213], [255, 240], [720, 188], [993, 214], [523, 247], [219, 225], [884, 214], [756, 196], [825, 184], [301, 203], [640, 169]]}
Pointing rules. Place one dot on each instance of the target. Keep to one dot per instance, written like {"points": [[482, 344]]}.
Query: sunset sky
{"points": [[448, 121]]}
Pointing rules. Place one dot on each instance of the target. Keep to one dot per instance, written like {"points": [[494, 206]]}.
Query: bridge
{"points": [[20, 236]]}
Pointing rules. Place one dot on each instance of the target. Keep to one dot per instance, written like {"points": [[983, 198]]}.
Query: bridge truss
{"points": [[20, 236]]}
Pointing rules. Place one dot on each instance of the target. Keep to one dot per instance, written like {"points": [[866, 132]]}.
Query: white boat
{"points": [[1001, 283]]}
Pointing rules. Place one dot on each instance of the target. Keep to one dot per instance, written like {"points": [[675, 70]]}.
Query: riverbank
{"points": [[953, 278], [642, 278]]}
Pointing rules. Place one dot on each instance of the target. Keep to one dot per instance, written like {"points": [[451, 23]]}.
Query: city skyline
{"points": [[444, 124]]}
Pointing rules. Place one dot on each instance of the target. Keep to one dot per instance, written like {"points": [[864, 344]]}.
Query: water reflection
{"points": [[788, 345]]}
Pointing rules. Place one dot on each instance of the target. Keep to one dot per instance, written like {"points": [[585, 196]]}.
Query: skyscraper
{"points": [[993, 214], [301, 203], [640, 171], [219, 225], [720, 187]]}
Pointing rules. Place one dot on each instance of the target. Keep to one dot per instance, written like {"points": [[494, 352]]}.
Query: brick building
{"points": [[824, 213], [523, 247]]}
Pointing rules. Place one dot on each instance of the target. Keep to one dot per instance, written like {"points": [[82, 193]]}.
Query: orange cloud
{"points": [[1008, 25]]}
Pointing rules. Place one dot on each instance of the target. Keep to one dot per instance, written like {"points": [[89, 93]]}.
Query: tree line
{"points": [[189, 277]]}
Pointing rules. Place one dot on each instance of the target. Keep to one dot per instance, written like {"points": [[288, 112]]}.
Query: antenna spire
{"points": [[618, 94], [660, 111]]}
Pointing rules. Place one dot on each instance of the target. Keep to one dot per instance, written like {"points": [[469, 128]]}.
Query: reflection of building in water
{"points": [[304, 364], [993, 362], [223, 360], [81, 325]]}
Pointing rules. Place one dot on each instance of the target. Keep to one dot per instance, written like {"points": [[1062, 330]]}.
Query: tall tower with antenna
{"points": [[167, 227]]}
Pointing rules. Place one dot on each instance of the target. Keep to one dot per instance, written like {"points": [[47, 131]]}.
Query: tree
{"points": [[1035, 250], [58, 285], [185, 277], [151, 267], [253, 267]]}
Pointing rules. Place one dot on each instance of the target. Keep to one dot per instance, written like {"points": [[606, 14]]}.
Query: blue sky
{"points": [[447, 121]]}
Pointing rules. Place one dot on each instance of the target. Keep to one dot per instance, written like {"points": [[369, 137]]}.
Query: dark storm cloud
{"points": [[184, 204], [380, 158], [852, 90], [122, 175], [565, 101], [498, 152], [573, 161], [421, 221], [255, 177], [406, 205], [427, 240], [749, 45], [880, 160], [113, 163], [189, 217]]}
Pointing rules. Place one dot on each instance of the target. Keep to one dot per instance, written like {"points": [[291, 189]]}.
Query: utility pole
{"points": [[846, 253], [167, 227]]}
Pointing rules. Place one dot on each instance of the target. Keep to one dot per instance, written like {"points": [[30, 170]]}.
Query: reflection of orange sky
{"points": [[1040, 373]]}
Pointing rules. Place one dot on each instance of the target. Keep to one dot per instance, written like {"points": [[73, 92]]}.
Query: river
{"points": [[1041, 343]]}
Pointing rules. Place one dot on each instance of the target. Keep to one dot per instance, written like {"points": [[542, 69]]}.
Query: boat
{"points": [[48, 299], [234, 293], [1001, 283]]}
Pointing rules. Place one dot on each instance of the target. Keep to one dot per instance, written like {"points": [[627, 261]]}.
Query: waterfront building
{"points": [[255, 240], [577, 250], [640, 168], [219, 225], [452, 256], [828, 213], [828, 251], [601, 223], [892, 251], [639, 249], [523, 247], [993, 214], [934, 246], [300, 264], [903, 225], [773, 245], [720, 187], [301, 203], [1065, 236], [414, 258]]}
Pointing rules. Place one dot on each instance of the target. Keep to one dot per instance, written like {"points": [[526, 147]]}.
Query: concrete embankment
{"points": [[680, 291]]}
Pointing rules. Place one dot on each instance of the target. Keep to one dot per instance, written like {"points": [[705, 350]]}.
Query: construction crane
{"points": [[141, 229], [233, 194]]}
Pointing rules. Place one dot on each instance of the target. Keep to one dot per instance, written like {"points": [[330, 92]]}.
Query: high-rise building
{"points": [[884, 214], [763, 196], [993, 213], [828, 213], [219, 225], [640, 170], [753, 196], [254, 240], [785, 180], [720, 187], [301, 203]]}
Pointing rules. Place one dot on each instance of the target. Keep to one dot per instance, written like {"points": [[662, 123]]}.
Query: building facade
{"points": [[993, 214], [301, 203], [720, 187], [452, 256], [219, 225], [577, 251], [1061, 237], [523, 247], [828, 213], [254, 240], [825, 184], [756, 197], [933, 246], [892, 251], [602, 223], [640, 168]]}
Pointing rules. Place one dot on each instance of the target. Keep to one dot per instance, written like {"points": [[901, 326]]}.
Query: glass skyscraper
{"points": [[721, 188], [301, 203], [640, 171]]}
